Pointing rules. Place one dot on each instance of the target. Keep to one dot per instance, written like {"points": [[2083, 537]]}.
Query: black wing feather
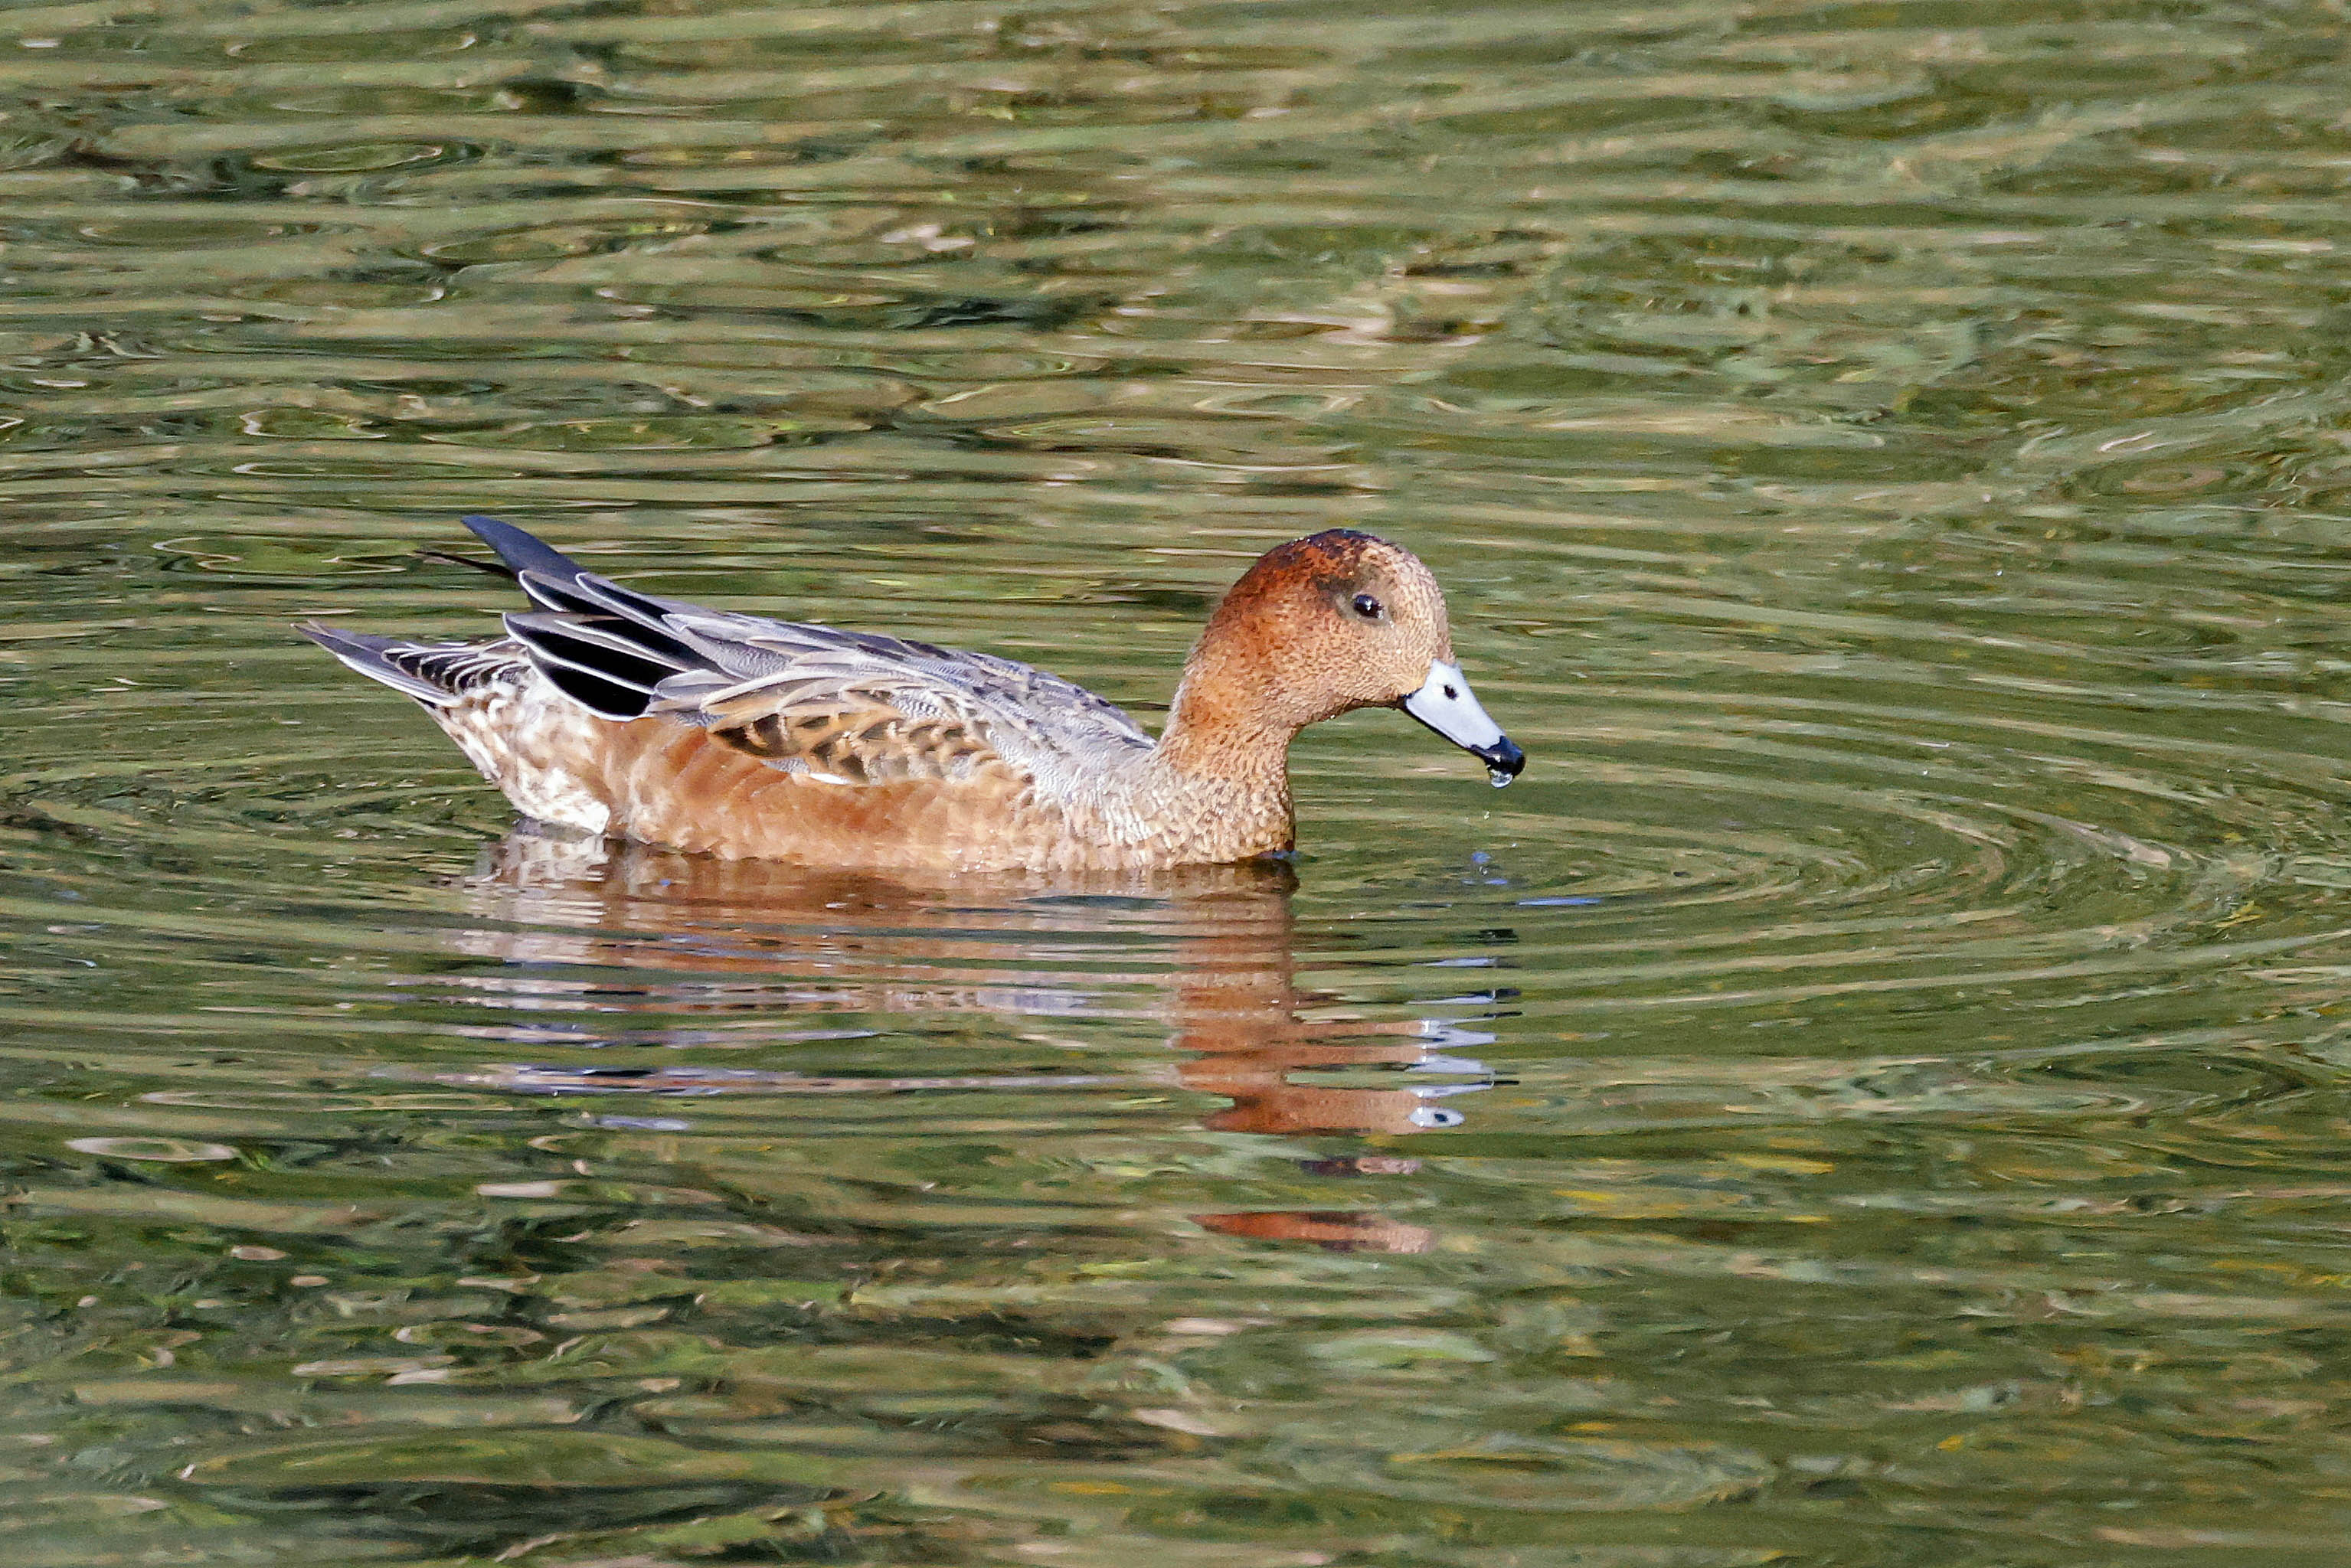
{"points": [[605, 645]]}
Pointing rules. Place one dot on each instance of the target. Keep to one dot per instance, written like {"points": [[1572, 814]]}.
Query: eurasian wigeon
{"points": [[609, 711]]}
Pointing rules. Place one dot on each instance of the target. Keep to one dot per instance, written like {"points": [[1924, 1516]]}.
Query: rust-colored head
{"points": [[1324, 625], [1328, 624]]}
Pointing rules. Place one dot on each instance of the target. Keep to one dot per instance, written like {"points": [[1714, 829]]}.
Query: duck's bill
{"points": [[1446, 706]]}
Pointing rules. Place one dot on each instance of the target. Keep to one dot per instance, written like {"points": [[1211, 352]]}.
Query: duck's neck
{"points": [[1226, 751]]}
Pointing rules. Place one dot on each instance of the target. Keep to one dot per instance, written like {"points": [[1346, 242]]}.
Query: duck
{"points": [[605, 711]]}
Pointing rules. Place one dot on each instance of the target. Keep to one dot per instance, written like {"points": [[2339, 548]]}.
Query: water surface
{"points": [[1874, 1093]]}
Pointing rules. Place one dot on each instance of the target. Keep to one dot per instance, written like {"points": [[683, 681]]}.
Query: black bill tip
{"points": [[1504, 762]]}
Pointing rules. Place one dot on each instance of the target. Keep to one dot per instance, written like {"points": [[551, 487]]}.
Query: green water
{"points": [[1877, 1093]]}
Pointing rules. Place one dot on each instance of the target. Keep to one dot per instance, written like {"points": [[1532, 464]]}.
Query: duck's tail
{"points": [[435, 673], [604, 646]]}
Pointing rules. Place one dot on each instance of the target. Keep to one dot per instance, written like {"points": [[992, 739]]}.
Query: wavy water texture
{"points": [[1872, 1094]]}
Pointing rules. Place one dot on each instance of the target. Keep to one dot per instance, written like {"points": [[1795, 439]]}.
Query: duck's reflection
{"points": [[762, 951]]}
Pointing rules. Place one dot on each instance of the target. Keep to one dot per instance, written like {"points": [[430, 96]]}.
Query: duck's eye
{"points": [[1367, 607]]}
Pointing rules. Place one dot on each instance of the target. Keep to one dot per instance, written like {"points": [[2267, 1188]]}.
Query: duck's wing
{"points": [[855, 708], [846, 706]]}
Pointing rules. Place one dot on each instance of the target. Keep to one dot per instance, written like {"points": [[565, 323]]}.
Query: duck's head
{"points": [[1341, 621]]}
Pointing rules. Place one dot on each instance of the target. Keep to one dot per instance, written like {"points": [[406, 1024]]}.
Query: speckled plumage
{"points": [[614, 712]]}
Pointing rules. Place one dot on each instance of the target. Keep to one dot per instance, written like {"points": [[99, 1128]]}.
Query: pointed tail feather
{"points": [[435, 673]]}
